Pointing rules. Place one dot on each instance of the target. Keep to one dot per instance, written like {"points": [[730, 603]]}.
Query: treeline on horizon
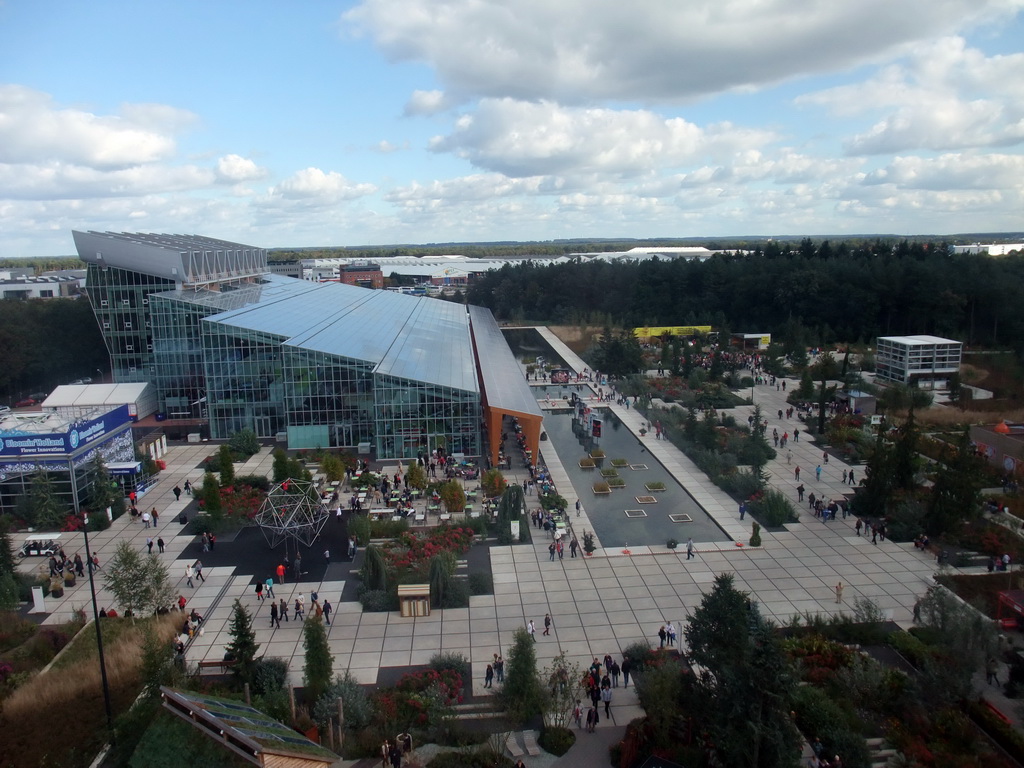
{"points": [[827, 292]]}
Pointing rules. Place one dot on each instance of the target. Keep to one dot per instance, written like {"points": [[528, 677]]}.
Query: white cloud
{"points": [[235, 168], [575, 51], [542, 138], [426, 103], [32, 129], [953, 172], [944, 96]]}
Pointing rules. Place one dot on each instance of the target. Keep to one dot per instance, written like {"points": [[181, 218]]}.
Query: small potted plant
{"points": [[755, 536], [587, 463], [598, 455], [616, 482], [588, 543], [654, 487], [672, 543], [602, 488], [69, 577], [56, 586]]}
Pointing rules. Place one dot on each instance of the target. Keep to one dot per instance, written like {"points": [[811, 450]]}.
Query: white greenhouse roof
{"points": [[94, 395]]}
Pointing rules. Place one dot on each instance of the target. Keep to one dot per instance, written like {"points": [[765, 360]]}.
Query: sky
{"points": [[365, 122]]}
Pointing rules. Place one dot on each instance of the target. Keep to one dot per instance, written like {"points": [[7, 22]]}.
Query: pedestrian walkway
{"points": [[598, 604]]}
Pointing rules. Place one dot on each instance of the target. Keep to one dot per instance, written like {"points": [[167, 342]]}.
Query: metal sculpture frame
{"points": [[292, 510]]}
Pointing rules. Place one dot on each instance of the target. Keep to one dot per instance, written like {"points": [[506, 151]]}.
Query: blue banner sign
{"points": [[79, 436]]}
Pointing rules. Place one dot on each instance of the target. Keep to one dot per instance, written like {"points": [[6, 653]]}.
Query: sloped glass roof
{"points": [[409, 337], [505, 385]]}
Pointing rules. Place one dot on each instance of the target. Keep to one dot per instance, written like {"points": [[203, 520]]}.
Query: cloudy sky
{"points": [[387, 121]]}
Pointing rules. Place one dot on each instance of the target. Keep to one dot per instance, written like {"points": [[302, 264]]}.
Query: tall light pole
{"points": [[99, 631]]}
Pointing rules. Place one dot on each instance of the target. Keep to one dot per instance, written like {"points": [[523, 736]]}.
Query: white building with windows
{"points": [[925, 361]]}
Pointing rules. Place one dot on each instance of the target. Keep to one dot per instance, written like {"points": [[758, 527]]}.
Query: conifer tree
{"points": [[243, 645]]}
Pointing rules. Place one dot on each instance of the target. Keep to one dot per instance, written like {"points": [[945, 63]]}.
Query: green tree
{"points": [[824, 369], [512, 504], [48, 511], [493, 483], [417, 476], [243, 645], [744, 687], [522, 695], [440, 576], [280, 466], [374, 571], [210, 495], [9, 592], [956, 493], [319, 662], [157, 655], [244, 442], [226, 460], [453, 495], [103, 491], [564, 681], [660, 689], [332, 467], [139, 583]]}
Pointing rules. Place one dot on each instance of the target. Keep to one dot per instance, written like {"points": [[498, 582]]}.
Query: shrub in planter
{"points": [[755, 536], [607, 473], [773, 508], [587, 463], [655, 486], [556, 740], [602, 488], [620, 463], [616, 482], [481, 584], [597, 453], [588, 542], [672, 543]]}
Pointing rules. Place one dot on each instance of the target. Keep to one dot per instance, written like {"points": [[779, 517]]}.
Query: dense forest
{"points": [[837, 292], [46, 342]]}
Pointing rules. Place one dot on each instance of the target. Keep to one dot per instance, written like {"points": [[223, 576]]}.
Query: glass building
{"points": [[319, 364]]}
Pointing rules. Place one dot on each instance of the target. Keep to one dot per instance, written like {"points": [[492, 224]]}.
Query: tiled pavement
{"points": [[599, 605]]}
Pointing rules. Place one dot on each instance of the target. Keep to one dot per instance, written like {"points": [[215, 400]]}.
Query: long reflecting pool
{"points": [[607, 513]]}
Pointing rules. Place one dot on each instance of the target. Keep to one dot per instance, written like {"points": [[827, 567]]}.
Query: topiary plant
{"points": [[755, 536]]}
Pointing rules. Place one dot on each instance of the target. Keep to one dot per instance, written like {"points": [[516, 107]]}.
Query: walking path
{"points": [[598, 604]]}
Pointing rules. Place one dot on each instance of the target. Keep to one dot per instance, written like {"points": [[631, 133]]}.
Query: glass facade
{"points": [[178, 356], [120, 300], [414, 417], [328, 399], [244, 380]]}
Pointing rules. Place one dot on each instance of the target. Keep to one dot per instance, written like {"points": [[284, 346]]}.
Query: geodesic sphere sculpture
{"points": [[292, 510]]}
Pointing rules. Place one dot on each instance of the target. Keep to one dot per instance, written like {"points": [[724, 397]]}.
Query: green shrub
{"points": [[639, 655], [388, 529], [755, 536], [269, 675], [450, 660], [773, 508], [616, 482], [609, 473], [379, 600], [456, 595], [359, 526], [818, 715], [481, 584], [244, 442], [98, 521], [556, 740], [253, 481]]}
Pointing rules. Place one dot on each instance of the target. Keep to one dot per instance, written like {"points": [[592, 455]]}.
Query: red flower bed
{"points": [[72, 523], [410, 554], [243, 501], [407, 703]]}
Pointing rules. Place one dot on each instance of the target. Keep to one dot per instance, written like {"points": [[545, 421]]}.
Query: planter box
{"points": [[655, 490], [602, 491], [617, 486], [591, 465]]}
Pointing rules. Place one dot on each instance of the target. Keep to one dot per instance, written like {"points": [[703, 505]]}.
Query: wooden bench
{"points": [[223, 664]]}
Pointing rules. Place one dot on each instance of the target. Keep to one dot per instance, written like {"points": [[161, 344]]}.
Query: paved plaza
{"points": [[599, 604]]}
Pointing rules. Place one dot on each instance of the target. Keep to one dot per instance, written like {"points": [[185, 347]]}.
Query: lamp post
{"points": [[99, 631]]}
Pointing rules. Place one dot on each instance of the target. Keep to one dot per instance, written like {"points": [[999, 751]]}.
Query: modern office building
{"points": [[316, 364], [925, 361]]}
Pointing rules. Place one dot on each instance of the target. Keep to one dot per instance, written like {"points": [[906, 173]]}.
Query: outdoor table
{"points": [[446, 517], [395, 518], [434, 507], [469, 508], [421, 517]]}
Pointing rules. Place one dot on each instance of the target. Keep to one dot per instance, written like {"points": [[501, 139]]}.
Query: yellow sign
{"points": [[671, 330]]}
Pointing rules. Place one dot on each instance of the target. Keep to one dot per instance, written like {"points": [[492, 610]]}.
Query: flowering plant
{"points": [[410, 554]]}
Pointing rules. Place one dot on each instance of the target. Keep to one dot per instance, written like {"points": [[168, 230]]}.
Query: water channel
{"points": [[674, 515]]}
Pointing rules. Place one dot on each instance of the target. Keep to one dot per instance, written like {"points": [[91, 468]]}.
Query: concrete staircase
{"points": [[879, 753]]}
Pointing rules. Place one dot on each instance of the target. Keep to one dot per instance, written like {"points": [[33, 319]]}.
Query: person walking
{"points": [[270, 587], [627, 667], [689, 548], [283, 608], [206, 542], [547, 623], [743, 509], [839, 592], [800, 492], [606, 697], [280, 573], [499, 668], [188, 575], [991, 671], [259, 591], [177, 493], [327, 611], [146, 518], [615, 669], [573, 546], [662, 636], [199, 571], [531, 630], [275, 620], [489, 676], [851, 477], [300, 603], [551, 551], [149, 544], [160, 545], [796, 474], [188, 487], [817, 473]]}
